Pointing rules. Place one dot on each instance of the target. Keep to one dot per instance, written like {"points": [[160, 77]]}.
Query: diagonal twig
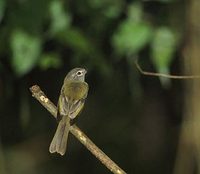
{"points": [[98, 153]]}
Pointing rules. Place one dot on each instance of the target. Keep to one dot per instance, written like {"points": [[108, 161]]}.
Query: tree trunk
{"points": [[188, 158]]}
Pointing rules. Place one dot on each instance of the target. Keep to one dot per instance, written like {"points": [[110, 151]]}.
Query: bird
{"points": [[71, 101]]}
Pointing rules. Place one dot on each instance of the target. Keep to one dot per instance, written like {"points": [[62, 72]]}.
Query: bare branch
{"points": [[99, 154], [165, 75]]}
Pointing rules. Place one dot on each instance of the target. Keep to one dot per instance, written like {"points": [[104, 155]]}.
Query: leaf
{"points": [[134, 33], [109, 8], [131, 37], [162, 49], [49, 60], [135, 12], [60, 19], [25, 51], [113, 11]]}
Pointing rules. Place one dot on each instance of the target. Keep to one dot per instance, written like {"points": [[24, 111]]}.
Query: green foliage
{"points": [[110, 8], [162, 49], [86, 29], [51, 60], [60, 19], [26, 49], [135, 12], [28, 15], [131, 37], [133, 33]]}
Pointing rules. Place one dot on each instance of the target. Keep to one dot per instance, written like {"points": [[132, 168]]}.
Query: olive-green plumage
{"points": [[71, 101], [75, 89]]}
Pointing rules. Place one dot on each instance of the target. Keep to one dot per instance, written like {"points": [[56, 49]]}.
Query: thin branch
{"points": [[165, 75], [99, 154]]}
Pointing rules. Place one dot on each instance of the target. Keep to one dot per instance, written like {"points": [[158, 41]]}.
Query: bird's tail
{"points": [[59, 142]]}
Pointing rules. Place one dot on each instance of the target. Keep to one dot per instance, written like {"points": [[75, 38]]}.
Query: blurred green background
{"points": [[135, 119]]}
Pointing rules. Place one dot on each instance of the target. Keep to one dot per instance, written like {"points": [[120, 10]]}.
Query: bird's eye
{"points": [[79, 73]]}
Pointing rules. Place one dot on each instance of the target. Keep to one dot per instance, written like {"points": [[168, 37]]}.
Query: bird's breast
{"points": [[75, 90]]}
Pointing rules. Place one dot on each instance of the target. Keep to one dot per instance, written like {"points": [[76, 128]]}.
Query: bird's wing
{"points": [[76, 102], [63, 106], [76, 108]]}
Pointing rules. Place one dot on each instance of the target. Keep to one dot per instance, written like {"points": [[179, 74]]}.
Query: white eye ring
{"points": [[79, 73]]}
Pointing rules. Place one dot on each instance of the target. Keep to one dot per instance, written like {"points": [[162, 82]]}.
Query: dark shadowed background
{"points": [[147, 125]]}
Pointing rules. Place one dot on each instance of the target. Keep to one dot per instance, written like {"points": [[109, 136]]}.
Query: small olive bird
{"points": [[71, 101]]}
